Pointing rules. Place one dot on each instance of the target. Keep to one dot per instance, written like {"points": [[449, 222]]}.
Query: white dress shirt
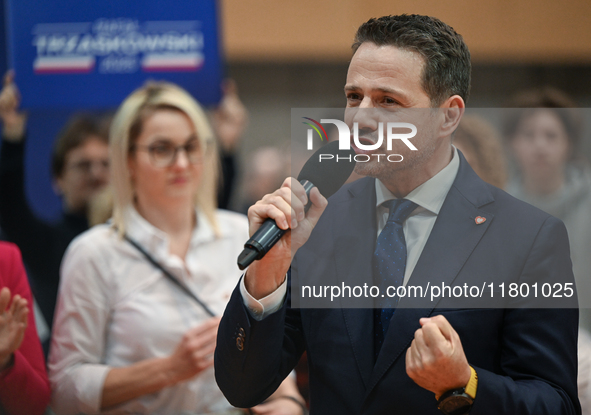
{"points": [[116, 309], [429, 197]]}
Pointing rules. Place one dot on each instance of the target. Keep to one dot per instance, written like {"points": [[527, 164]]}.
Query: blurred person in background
{"points": [[543, 136], [24, 388], [543, 133], [483, 149], [80, 173], [265, 171], [229, 120], [80, 164], [140, 298]]}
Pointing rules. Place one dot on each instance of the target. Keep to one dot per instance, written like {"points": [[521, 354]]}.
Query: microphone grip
{"points": [[267, 236]]}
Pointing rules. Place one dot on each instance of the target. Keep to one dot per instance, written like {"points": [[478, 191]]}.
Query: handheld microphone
{"points": [[328, 169]]}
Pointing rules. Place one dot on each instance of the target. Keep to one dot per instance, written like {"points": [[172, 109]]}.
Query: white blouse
{"points": [[115, 309]]}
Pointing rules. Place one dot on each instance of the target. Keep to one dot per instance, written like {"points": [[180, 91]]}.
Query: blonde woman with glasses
{"points": [[141, 297]]}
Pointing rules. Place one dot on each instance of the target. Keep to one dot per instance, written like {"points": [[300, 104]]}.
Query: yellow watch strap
{"points": [[472, 385]]}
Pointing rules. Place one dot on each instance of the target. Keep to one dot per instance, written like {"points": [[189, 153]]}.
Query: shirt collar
{"points": [[431, 194], [157, 241]]}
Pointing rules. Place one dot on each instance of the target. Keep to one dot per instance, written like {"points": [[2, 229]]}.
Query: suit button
{"points": [[241, 332], [240, 343]]}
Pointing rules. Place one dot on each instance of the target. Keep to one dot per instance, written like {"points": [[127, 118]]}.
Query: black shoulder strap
{"points": [[167, 273]]}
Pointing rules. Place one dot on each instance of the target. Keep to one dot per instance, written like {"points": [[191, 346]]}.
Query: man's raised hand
{"points": [[435, 360]]}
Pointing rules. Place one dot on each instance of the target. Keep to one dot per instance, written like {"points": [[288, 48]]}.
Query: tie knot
{"points": [[400, 209]]}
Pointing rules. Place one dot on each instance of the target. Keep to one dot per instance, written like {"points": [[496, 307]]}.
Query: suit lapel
{"points": [[452, 240], [358, 243]]}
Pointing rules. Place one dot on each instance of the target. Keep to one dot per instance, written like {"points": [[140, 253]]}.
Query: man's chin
{"points": [[379, 170], [369, 169]]}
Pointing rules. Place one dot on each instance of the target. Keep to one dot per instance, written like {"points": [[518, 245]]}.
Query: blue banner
{"points": [[91, 54]]}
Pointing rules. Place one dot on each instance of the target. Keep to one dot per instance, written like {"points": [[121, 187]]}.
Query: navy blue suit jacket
{"points": [[526, 359]]}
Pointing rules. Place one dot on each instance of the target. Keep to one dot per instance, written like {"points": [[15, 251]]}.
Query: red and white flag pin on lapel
{"points": [[479, 220]]}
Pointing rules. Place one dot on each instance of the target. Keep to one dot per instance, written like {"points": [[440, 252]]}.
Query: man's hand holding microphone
{"points": [[286, 206]]}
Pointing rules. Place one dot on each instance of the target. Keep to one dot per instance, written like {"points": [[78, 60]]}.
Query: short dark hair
{"points": [[447, 58], [526, 102], [74, 134]]}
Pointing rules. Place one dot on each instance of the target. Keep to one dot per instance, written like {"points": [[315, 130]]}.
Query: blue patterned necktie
{"points": [[389, 263]]}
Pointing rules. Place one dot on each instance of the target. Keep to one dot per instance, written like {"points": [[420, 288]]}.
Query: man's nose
{"points": [[366, 102], [366, 118]]}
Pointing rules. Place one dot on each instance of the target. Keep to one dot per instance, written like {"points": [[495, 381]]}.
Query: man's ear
{"points": [[452, 110]]}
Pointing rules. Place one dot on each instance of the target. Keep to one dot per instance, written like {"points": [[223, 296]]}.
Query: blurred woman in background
{"points": [[140, 298], [543, 132]]}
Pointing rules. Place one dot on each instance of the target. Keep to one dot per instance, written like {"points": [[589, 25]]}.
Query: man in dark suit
{"points": [[445, 226]]}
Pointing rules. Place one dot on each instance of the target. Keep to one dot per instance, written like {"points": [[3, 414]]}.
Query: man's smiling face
{"points": [[383, 84]]}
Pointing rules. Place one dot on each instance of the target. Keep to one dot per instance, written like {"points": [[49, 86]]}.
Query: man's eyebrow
{"points": [[350, 87], [402, 97]]}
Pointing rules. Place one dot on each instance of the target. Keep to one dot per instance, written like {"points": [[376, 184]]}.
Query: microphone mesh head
{"points": [[328, 173]]}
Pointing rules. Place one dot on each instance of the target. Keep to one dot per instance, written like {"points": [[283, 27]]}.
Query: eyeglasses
{"points": [[164, 154]]}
